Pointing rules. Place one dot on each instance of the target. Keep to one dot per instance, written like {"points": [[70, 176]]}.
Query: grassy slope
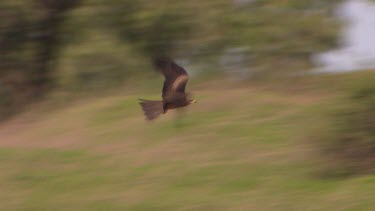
{"points": [[239, 148]]}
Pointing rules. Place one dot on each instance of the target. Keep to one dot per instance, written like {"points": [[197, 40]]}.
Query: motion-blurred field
{"points": [[241, 147]]}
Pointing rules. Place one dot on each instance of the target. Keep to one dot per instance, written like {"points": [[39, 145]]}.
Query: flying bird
{"points": [[173, 93]]}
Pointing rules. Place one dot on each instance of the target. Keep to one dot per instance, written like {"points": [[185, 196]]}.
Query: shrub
{"points": [[354, 142]]}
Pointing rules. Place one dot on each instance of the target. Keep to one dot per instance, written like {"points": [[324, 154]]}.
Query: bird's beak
{"points": [[193, 101]]}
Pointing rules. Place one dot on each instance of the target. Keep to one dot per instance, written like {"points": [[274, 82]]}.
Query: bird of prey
{"points": [[173, 92]]}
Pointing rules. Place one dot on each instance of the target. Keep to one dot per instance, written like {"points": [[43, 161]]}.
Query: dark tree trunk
{"points": [[48, 43]]}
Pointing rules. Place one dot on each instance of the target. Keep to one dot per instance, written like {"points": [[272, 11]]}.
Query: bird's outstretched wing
{"points": [[176, 77]]}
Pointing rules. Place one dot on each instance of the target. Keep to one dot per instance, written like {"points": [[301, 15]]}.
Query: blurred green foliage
{"points": [[98, 44]]}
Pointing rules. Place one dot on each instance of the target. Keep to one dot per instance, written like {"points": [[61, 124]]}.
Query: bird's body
{"points": [[173, 92]]}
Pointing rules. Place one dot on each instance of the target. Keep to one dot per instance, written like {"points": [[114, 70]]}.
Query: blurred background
{"points": [[285, 118]]}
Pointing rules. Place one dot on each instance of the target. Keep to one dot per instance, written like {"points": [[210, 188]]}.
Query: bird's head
{"points": [[190, 99]]}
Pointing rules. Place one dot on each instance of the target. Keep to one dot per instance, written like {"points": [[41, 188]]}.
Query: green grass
{"points": [[247, 148]]}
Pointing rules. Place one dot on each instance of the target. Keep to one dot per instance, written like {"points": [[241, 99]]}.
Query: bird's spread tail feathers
{"points": [[151, 109]]}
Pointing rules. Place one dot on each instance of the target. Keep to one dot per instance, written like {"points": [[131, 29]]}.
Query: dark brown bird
{"points": [[173, 92]]}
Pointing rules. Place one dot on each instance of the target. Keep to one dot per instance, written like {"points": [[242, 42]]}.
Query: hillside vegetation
{"points": [[241, 147]]}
